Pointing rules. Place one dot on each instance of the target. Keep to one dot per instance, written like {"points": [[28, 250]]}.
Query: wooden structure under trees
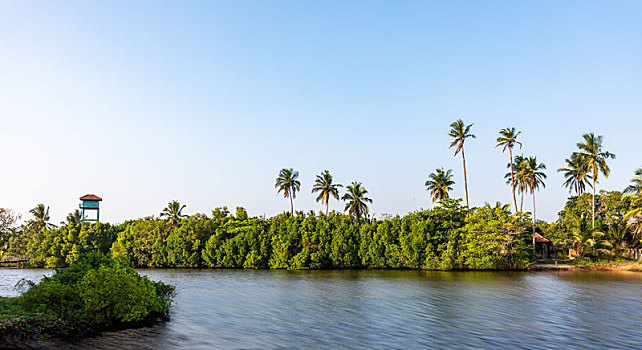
{"points": [[545, 244]]}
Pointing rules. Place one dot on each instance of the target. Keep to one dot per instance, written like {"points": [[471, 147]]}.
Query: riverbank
{"points": [[18, 324], [602, 265], [540, 265], [21, 328], [94, 295]]}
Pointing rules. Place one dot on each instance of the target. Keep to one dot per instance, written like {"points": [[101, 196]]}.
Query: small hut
{"points": [[543, 246]]}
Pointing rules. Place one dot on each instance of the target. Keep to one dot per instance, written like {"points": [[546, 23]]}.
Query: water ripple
{"points": [[236, 309]]}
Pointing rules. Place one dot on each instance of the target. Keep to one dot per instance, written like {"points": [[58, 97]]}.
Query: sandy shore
{"points": [[628, 266]]}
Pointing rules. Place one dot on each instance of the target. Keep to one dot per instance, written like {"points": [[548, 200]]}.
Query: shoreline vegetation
{"points": [[446, 237], [95, 294], [597, 230], [616, 265], [450, 236]]}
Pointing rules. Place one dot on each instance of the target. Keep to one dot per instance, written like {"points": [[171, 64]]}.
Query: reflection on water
{"points": [[229, 309], [10, 277]]}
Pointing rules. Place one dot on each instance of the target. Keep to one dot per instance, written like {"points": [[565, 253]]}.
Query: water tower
{"points": [[90, 206]]}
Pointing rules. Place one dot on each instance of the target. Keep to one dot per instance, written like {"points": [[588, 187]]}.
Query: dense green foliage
{"points": [[613, 233], [98, 290], [63, 246], [447, 237]]}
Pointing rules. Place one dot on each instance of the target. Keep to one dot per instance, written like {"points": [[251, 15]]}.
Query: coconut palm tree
{"points": [[585, 240], [508, 139], [575, 173], [439, 184], [636, 186], [174, 212], [633, 217], [323, 184], [356, 200], [75, 217], [499, 206], [517, 179], [534, 178], [40, 218], [595, 160], [288, 184], [460, 132]]}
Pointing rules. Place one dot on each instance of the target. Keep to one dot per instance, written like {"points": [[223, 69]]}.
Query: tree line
{"points": [[355, 196], [179, 240], [525, 174], [449, 236]]}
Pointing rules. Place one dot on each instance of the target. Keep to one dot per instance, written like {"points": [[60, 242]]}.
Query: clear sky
{"points": [[142, 102]]}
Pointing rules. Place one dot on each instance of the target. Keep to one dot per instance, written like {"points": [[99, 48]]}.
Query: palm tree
{"points": [[288, 184], [324, 185], [508, 139], [595, 160], [40, 218], [439, 184], [74, 217], [499, 206], [460, 132], [636, 186], [174, 212], [586, 241], [534, 178], [575, 173], [356, 197], [633, 219], [517, 179], [634, 216]]}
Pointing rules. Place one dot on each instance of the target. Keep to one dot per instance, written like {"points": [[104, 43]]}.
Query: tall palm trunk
{"points": [[594, 199], [327, 200], [291, 206], [521, 201], [533, 222], [512, 177], [463, 159]]}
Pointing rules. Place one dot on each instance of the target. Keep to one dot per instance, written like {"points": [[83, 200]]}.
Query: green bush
{"points": [[494, 239], [99, 290], [117, 294]]}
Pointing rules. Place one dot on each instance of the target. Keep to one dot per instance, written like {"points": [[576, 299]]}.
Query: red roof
{"points": [[90, 197], [540, 239]]}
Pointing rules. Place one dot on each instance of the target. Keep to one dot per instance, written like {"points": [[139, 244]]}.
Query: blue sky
{"points": [[144, 102]]}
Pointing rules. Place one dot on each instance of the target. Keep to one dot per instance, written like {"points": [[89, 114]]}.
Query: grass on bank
{"points": [[11, 309], [18, 322], [597, 264]]}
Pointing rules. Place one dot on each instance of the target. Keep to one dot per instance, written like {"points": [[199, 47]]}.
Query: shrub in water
{"points": [[99, 290]]}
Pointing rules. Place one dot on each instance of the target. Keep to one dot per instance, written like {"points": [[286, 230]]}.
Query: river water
{"points": [[241, 309]]}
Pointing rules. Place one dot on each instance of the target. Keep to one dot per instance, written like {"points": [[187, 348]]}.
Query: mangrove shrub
{"points": [[98, 290]]}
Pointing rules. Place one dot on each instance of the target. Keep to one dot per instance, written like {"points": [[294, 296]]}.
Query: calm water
{"points": [[229, 309]]}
